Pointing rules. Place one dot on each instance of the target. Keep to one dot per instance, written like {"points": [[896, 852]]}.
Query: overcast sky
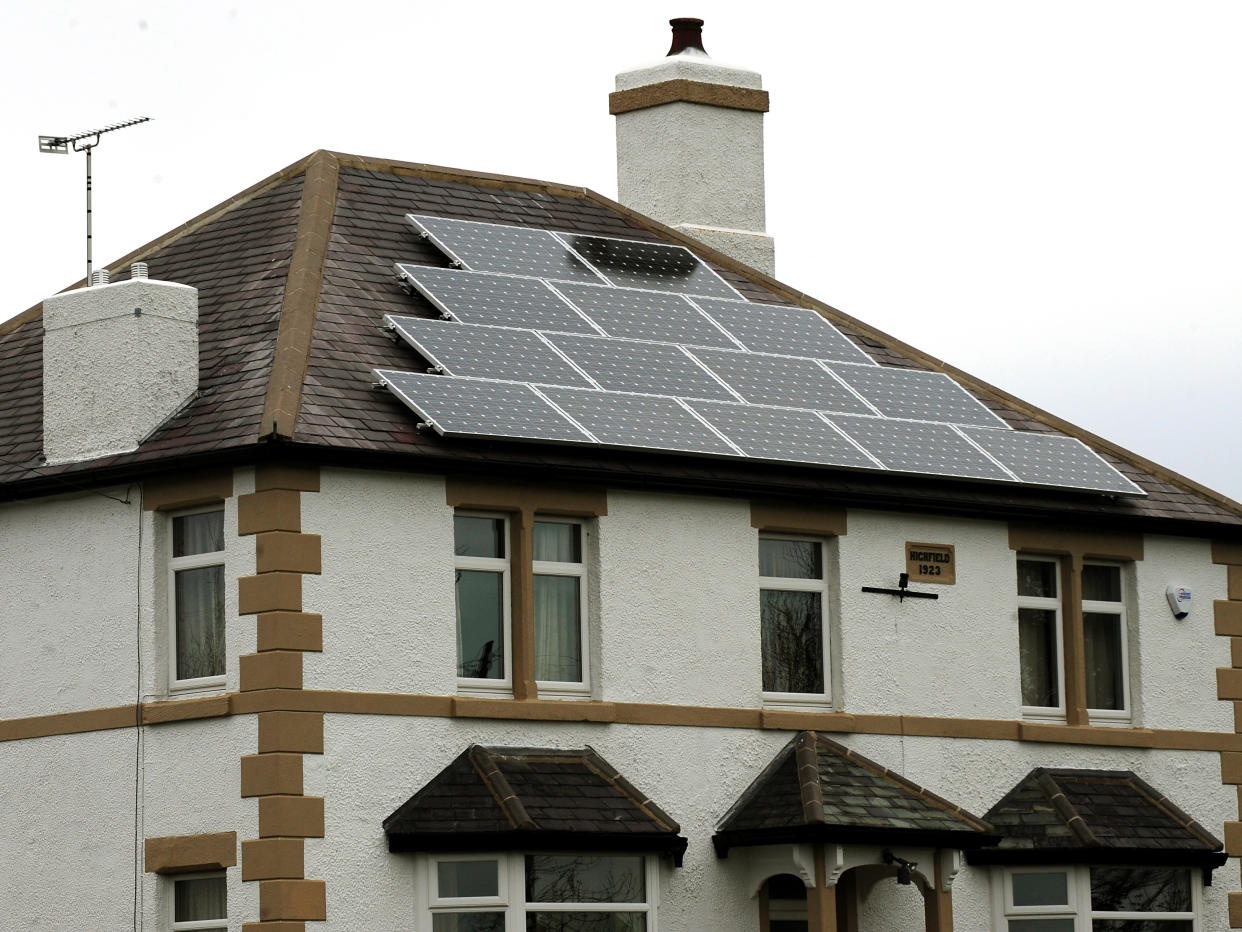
{"points": [[1045, 194]]}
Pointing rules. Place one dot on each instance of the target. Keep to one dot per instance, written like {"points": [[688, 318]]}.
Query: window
{"points": [[1106, 898], [200, 903], [539, 893], [557, 657], [1101, 690], [196, 599], [792, 598]]}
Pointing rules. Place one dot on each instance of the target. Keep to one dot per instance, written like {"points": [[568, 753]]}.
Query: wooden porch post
{"points": [[938, 903], [821, 899]]}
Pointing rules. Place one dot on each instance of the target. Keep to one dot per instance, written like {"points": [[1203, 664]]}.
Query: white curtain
{"points": [[558, 648], [203, 898]]}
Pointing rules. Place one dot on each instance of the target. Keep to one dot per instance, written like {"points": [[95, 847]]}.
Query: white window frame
{"points": [[555, 689], [1053, 604], [1122, 715], [480, 686], [512, 887], [783, 700], [191, 562], [188, 925], [1078, 887]]}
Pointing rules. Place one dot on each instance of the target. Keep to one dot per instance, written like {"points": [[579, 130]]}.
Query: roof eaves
{"points": [[298, 309]]}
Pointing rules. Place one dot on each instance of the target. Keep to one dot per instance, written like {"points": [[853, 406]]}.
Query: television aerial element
{"points": [[59, 145]]}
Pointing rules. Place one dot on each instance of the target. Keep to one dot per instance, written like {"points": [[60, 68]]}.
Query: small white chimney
{"points": [[118, 360], [690, 147]]}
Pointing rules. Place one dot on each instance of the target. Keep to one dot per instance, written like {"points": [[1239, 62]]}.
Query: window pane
{"points": [[1038, 578], [199, 899], [1101, 583], [1140, 889], [1041, 925], [478, 537], [792, 640], [557, 543], [467, 878], [1142, 925], [559, 878], [1042, 889], [795, 559], [468, 922], [1037, 647], [199, 600], [586, 922], [558, 649], [480, 624], [202, 533], [1103, 657]]}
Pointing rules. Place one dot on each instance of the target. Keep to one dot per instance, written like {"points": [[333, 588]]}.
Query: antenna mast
{"points": [[59, 145]]}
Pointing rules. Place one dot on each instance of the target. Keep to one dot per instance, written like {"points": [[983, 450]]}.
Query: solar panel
{"points": [[479, 351], [792, 331], [782, 380], [1051, 459], [658, 266], [784, 435], [491, 247], [647, 368], [646, 315], [639, 421], [917, 395], [912, 446], [483, 298], [458, 407]]}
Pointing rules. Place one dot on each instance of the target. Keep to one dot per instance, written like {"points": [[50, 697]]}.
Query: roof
{"points": [[818, 790], [295, 276], [1095, 816], [528, 799]]}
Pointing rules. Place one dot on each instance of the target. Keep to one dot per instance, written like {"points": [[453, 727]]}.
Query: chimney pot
{"points": [[687, 34], [138, 270], [99, 277]]}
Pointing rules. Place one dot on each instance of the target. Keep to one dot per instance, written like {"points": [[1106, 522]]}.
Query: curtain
{"points": [[558, 642], [1037, 650], [202, 898], [200, 622], [1102, 633]]}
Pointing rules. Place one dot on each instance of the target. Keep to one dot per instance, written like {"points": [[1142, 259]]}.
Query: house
{"points": [[396, 547]]}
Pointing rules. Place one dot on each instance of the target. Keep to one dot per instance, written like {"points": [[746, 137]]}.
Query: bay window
{"points": [[1101, 898]]}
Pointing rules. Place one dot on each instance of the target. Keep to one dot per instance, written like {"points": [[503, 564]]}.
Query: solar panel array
{"points": [[566, 338]]}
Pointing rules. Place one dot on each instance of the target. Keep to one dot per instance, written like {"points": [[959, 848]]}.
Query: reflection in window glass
{"points": [[791, 630], [1037, 648], [467, 878], [586, 922], [199, 608], [1044, 888], [556, 878], [1102, 634], [1041, 925], [480, 624], [793, 559], [478, 537], [1140, 889], [1037, 578], [1142, 925], [468, 922], [1101, 583]]}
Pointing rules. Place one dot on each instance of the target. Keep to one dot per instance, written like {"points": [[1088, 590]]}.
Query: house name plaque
{"points": [[931, 563]]}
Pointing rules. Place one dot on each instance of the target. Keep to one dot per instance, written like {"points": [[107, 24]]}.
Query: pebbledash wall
{"points": [[930, 689]]}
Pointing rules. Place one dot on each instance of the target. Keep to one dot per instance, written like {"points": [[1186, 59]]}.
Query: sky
{"points": [[1046, 195]]}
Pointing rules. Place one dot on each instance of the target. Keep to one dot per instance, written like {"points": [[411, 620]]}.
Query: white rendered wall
{"points": [[372, 764], [69, 605]]}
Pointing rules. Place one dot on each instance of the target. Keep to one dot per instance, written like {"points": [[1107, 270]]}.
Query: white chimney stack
{"points": [[118, 360], [690, 147]]}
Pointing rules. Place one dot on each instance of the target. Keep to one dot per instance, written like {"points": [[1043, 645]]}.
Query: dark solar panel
{"points": [[782, 380], [491, 247], [912, 446], [783, 435], [479, 351], [917, 395], [484, 298], [475, 408], [791, 331], [646, 315], [658, 266], [639, 421], [647, 368], [1051, 459]]}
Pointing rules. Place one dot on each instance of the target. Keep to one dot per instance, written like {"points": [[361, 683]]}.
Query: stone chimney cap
{"points": [[687, 35]]}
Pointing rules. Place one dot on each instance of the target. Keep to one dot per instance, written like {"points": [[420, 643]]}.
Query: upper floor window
{"points": [[486, 579], [1106, 898], [792, 604], [539, 893], [1057, 663], [200, 904], [196, 598]]}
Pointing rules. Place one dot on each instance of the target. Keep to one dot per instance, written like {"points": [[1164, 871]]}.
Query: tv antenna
{"points": [[59, 145]]}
